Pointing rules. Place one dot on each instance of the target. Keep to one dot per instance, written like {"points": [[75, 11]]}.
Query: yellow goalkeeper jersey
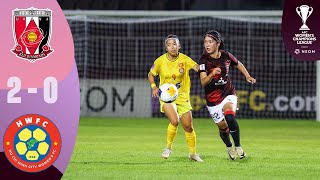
{"points": [[175, 72]]}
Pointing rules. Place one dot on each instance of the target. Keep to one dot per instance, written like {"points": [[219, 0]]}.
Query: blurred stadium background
{"points": [[122, 133]]}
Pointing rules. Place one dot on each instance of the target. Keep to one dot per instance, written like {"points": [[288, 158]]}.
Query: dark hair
{"points": [[216, 36]]}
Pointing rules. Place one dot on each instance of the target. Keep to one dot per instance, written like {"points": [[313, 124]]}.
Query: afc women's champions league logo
{"points": [[31, 33], [299, 29], [304, 11]]}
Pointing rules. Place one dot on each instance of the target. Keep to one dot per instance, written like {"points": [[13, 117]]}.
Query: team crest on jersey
{"points": [[31, 33], [181, 70], [32, 143]]}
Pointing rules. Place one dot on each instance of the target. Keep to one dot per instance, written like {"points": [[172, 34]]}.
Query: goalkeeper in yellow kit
{"points": [[173, 67]]}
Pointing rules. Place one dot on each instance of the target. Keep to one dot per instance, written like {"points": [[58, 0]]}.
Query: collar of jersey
{"points": [[215, 58], [174, 59]]}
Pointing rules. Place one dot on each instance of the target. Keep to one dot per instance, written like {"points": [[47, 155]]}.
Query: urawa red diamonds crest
{"points": [[31, 32]]}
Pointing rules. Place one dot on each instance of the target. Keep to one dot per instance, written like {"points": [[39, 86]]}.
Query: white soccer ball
{"points": [[168, 93]]}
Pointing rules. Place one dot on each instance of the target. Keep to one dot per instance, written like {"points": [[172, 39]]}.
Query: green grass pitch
{"points": [[115, 148]]}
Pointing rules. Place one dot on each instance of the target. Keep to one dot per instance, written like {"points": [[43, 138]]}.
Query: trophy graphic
{"points": [[304, 11]]}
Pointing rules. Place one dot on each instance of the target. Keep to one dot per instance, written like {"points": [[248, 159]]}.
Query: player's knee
{"points": [[188, 128], [224, 130], [228, 107], [222, 124], [175, 123]]}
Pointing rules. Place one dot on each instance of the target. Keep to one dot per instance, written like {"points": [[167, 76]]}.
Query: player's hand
{"points": [[251, 80], [155, 91], [216, 70]]}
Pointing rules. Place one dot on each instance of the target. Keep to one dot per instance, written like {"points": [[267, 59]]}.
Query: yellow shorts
{"points": [[182, 107]]}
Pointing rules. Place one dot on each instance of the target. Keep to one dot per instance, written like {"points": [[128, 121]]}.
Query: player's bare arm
{"points": [[196, 67], [155, 89], [206, 79], [244, 71]]}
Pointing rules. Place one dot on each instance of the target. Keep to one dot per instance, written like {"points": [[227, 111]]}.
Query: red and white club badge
{"points": [[32, 143], [31, 32]]}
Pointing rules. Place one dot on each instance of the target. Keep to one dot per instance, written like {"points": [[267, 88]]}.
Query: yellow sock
{"points": [[172, 132], [191, 140]]}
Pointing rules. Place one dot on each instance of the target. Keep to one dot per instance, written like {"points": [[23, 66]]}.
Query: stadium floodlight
{"points": [[115, 50]]}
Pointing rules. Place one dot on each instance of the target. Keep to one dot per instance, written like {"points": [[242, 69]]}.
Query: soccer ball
{"points": [[168, 93], [32, 145]]}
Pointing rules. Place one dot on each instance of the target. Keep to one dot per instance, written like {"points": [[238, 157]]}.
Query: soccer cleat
{"points": [[195, 157], [240, 152], [232, 153], [166, 153]]}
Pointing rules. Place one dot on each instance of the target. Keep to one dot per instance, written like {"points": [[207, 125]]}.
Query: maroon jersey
{"points": [[220, 86]]}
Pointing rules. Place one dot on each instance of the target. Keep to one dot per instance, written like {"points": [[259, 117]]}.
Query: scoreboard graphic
{"points": [[39, 90]]}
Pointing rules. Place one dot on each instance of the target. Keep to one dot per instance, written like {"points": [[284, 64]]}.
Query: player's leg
{"points": [[229, 115], [217, 116], [186, 121], [170, 109], [229, 109], [185, 114], [224, 134], [191, 138]]}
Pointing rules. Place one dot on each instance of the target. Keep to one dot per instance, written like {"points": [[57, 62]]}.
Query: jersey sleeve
{"points": [[154, 70], [234, 60], [190, 63]]}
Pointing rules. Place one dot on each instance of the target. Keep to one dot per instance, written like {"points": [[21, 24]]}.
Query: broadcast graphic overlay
{"points": [[301, 30], [32, 143], [39, 91], [32, 32]]}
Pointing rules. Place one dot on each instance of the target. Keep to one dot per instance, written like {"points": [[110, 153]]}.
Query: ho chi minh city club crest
{"points": [[31, 32], [32, 143]]}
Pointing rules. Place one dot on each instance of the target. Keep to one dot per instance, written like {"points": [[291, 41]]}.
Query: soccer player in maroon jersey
{"points": [[220, 93]]}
